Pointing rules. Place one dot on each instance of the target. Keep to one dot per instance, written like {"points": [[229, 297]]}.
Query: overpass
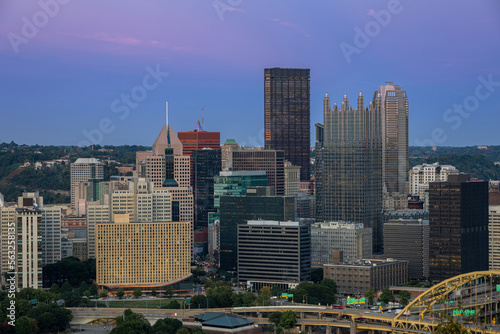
{"points": [[470, 298]]}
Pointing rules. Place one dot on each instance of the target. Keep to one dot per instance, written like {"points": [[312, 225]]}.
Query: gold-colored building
{"points": [[142, 254]]}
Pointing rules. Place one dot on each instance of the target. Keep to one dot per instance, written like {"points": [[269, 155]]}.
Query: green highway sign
{"points": [[355, 301]]}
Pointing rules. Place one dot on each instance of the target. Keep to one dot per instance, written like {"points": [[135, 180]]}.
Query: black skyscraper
{"points": [[458, 221], [287, 115], [207, 164]]}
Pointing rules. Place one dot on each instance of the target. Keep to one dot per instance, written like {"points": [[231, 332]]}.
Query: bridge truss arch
{"points": [[463, 295]]}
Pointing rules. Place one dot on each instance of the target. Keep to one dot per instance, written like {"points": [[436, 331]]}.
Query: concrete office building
{"points": [[270, 161], [292, 179], [287, 115], [360, 276], [29, 247], [142, 255], [421, 175], [348, 166], [391, 104], [353, 239], [274, 253], [494, 237], [236, 210], [458, 221], [408, 240], [229, 146], [82, 170]]}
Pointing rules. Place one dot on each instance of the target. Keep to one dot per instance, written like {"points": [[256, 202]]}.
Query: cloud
{"points": [[229, 9], [119, 40], [291, 25], [370, 12]]}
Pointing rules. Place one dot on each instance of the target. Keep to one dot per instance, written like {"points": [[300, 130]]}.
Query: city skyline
{"points": [[66, 77]]}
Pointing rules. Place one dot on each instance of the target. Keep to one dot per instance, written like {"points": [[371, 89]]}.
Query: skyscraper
{"points": [[458, 222], [287, 115], [207, 164], [82, 170], [391, 103], [197, 140], [348, 166]]}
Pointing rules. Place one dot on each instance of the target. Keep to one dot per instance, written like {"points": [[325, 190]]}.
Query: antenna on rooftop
{"points": [[202, 119]]}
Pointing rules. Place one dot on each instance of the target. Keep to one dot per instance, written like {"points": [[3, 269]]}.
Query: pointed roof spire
{"points": [[326, 94], [360, 94]]}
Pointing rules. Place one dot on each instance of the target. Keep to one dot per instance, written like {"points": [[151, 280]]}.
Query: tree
{"points": [[54, 288], [317, 275], [93, 290], [276, 291], [275, 317], [137, 293], [131, 323], [386, 296], [166, 326], [169, 292], [404, 297], [154, 293], [174, 305], [288, 320], [47, 322], [23, 326], [330, 283], [120, 293], [183, 330], [103, 293], [83, 287], [450, 326], [66, 287], [370, 294]]}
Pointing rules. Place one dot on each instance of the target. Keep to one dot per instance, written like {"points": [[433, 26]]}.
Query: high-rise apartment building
{"points": [[408, 240], [421, 175], [207, 164], [494, 237], [349, 167], [353, 239], [287, 115], [144, 255], [270, 161], [274, 253], [82, 170], [391, 104], [29, 247], [458, 221], [235, 210], [196, 140]]}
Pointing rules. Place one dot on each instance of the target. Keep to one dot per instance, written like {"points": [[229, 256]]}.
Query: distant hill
{"points": [[53, 183], [490, 152]]}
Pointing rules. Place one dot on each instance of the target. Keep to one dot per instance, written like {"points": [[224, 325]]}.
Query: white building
{"points": [[421, 175], [353, 239], [82, 170], [494, 236]]}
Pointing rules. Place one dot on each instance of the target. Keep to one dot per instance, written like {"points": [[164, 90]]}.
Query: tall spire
{"points": [[167, 126]]}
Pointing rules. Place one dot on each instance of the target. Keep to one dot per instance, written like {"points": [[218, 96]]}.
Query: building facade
{"points": [[458, 221], [408, 240], [270, 161], [292, 179], [348, 167], [391, 103], [353, 239], [143, 255], [421, 175], [236, 210], [494, 237], [287, 115], [274, 253], [207, 164], [360, 276], [82, 170]]}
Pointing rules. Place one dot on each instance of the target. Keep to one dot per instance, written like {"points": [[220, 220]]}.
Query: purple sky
{"points": [[67, 76]]}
